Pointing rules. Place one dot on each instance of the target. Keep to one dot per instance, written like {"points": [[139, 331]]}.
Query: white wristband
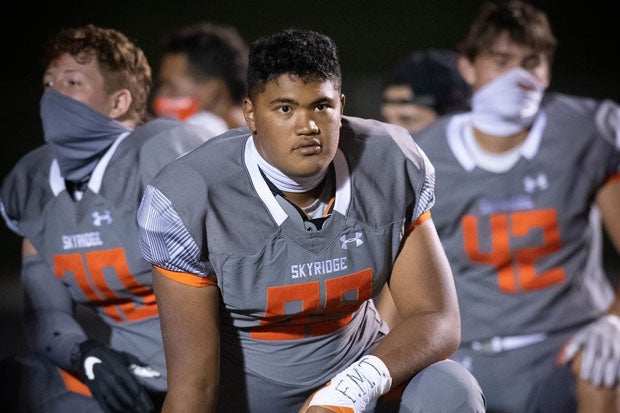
{"points": [[362, 382]]}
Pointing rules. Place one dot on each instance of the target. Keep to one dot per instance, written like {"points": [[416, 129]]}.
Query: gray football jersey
{"points": [[91, 245], [519, 229], [281, 284]]}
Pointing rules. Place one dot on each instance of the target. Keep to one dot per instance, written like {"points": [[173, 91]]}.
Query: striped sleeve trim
{"points": [[186, 278], [164, 240], [427, 193]]}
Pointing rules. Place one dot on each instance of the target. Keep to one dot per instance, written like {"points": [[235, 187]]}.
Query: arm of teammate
{"points": [[49, 324], [52, 330], [598, 344], [429, 331], [190, 329]]}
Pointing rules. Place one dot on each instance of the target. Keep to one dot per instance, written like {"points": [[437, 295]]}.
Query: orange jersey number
{"points": [[516, 269], [88, 272], [313, 319]]}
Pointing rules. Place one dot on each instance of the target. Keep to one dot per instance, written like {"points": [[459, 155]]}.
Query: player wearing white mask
{"points": [[520, 180]]}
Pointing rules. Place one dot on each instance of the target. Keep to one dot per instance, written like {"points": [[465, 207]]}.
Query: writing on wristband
{"points": [[362, 382]]}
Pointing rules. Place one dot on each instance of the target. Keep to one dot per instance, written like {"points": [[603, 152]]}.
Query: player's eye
{"points": [[531, 62], [283, 109]]}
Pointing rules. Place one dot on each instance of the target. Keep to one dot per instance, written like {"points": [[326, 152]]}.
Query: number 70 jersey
{"points": [[519, 228]]}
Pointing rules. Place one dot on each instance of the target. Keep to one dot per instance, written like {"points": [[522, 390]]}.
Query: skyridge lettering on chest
{"points": [[314, 268], [83, 240]]}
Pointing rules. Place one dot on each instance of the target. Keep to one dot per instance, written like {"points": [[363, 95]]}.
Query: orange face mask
{"points": [[178, 107]]}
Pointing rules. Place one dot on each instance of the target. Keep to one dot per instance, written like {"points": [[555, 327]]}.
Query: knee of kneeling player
{"points": [[444, 386]]}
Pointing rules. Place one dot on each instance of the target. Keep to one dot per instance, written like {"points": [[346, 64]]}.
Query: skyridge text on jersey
{"points": [[310, 269]]}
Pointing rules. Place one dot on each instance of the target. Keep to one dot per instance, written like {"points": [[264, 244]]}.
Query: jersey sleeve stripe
{"points": [[73, 384], [185, 278], [613, 177], [418, 221]]}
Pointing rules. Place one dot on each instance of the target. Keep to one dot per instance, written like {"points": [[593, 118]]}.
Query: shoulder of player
{"points": [[27, 181], [214, 162], [168, 135], [376, 136], [30, 168], [597, 116], [570, 106]]}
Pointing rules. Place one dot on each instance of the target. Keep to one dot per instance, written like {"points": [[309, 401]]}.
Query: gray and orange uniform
{"points": [[523, 239], [296, 299], [88, 250]]}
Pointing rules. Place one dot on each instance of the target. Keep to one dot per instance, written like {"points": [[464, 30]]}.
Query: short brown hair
{"points": [[122, 63], [525, 24]]}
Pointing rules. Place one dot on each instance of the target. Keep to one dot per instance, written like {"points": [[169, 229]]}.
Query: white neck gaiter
{"points": [[508, 104], [282, 181]]}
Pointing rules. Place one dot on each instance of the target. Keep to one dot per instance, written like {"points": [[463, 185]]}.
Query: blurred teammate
{"points": [[520, 180], [422, 87], [74, 202], [278, 240], [202, 77]]}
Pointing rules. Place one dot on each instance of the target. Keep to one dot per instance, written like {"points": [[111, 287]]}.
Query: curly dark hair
{"points": [[294, 51], [122, 63], [213, 50], [525, 24]]}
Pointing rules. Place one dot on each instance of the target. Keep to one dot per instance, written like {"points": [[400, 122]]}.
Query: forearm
{"points": [[49, 325], [418, 341], [190, 331], [424, 294]]}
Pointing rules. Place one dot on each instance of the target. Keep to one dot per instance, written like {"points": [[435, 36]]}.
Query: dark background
{"points": [[371, 36]]}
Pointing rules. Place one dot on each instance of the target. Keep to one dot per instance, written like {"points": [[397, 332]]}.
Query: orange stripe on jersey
{"points": [[74, 384], [328, 208], [418, 221], [614, 177], [185, 278], [338, 409]]}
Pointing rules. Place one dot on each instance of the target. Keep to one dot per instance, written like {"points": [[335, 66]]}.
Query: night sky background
{"points": [[371, 36]]}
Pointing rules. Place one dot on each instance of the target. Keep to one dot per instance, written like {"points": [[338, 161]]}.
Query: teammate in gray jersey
{"points": [[74, 201], [520, 181], [268, 256]]}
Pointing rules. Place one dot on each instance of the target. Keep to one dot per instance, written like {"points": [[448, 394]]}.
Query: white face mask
{"points": [[282, 181], [508, 104]]}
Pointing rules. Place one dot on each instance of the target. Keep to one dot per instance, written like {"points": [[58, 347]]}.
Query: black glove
{"points": [[109, 376]]}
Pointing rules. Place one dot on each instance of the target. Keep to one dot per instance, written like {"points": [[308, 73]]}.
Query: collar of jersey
{"points": [[470, 155], [343, 184], [57, 182]]}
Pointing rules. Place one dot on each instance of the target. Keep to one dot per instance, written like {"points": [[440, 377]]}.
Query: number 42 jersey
{"points": [[519, 228]]}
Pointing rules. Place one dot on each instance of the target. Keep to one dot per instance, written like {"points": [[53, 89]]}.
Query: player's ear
{"points": [[248, 113], [467, 71], [121, 101]]}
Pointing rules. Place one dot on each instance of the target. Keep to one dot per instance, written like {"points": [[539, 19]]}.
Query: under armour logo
{"points": [[103, 217], [357, 240], [531, 183]]}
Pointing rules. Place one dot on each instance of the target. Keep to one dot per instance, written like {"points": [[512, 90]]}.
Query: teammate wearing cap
{"points": [[422, 87]]}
